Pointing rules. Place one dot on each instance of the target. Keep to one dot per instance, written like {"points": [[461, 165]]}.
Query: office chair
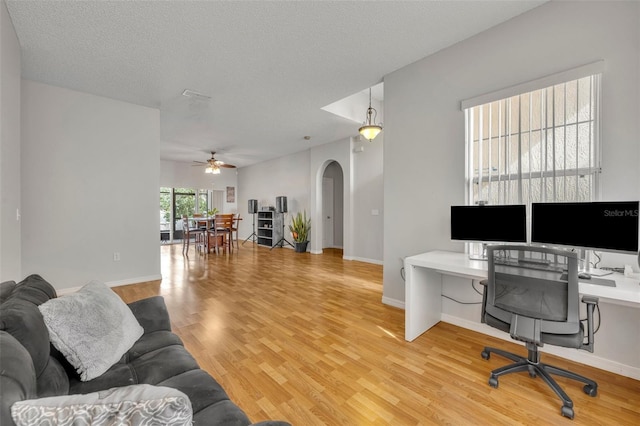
{"points": [[532, 293]]}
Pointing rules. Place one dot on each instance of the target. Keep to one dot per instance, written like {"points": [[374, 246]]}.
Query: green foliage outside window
{"points": [[185, 202]]}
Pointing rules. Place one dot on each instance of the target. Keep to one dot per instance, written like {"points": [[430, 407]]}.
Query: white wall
{"points": [[321, 156], [287, 176], [10, 58], [368, 197], [90, 179], [176, 174], [424, 170], [299, 177]]}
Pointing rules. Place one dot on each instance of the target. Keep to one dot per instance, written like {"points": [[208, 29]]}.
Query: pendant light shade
{"points": [[369, 128]]}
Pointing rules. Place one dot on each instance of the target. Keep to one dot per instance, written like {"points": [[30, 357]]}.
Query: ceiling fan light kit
{"points": [[369, 128], [213, 165]]}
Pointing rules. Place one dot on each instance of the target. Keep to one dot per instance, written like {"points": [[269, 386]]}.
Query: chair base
{"points": [[535, 368]]}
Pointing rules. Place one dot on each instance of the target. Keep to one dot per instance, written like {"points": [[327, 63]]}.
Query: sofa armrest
{"points": [[152, 314]]}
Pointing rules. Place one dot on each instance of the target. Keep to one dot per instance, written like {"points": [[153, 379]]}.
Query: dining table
{"points": [[206, 223]]}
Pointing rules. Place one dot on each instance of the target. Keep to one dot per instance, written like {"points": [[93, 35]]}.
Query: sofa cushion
{"points": [[202, 389], [17, 376], [150, 342], [22, 320], [6, 288], [139, 404], [34, 289], [150, 368], [92, 328], [20, 317], [152, 314]]}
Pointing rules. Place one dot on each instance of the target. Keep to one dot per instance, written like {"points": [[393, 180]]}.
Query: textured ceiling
{"points": [[267, 66]]}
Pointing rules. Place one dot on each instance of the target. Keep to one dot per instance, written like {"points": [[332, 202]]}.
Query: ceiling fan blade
{"points": [[227, 166], [199, 162]]}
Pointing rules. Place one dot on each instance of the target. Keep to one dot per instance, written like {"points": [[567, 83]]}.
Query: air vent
{"points": [[193, 94]]}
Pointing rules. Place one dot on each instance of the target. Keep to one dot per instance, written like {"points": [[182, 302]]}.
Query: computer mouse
{"points": [[584, 276]]}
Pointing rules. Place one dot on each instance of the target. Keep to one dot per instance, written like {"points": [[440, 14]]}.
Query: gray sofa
{"points": [[30, 367]]}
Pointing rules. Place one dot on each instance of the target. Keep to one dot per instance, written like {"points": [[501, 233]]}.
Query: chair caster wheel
{"points": [[485, 355], [567, 412], [493, 382], [590, 390]]}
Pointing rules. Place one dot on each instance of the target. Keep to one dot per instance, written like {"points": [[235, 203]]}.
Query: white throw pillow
{"points": [[92, 328], [128, 405]]}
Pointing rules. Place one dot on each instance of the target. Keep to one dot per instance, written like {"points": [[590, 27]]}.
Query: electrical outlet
{"points": [[116, 256]]}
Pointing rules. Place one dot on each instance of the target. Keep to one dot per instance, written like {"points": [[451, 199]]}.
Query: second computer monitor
{"points": [[604, 225], [496, 224]]}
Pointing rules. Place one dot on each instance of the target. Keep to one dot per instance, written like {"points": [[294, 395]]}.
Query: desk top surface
{"points": [[626, 291]]}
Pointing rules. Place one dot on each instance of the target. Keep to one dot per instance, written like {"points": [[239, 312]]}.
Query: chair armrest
{"points": [[484, 283], [591, 302], [152, 314]]}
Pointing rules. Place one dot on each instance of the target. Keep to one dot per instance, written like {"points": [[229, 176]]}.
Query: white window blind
{"points": [[537, 146]]}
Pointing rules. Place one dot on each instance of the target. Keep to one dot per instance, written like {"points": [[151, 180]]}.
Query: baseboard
{"points": [[393, 302], [137, 280], [364, 259], [582, 357]]}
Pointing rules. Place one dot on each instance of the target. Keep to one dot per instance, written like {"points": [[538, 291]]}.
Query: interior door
{"points": [[327, 212]]}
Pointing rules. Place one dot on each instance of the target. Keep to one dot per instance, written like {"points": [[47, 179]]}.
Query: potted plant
{"points": [[300, 228]]}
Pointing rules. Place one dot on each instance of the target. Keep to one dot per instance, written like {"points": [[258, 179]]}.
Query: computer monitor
{"points": [[496, 224], [603, 225]]}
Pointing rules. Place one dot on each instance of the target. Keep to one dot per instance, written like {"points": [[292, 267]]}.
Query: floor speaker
{"points": [[281, 204], [253, 206]]}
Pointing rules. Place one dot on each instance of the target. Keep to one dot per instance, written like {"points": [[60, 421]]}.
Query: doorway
{"points": [[332, 206]]}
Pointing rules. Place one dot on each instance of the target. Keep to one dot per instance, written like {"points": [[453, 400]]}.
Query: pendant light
{"points": [[370, 129]]}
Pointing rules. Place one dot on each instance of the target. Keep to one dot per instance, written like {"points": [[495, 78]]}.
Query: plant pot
{"points": [[301, 247]]}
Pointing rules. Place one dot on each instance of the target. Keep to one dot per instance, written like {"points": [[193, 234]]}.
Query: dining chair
{"points": [[222, 229], [234, 229], [187, 232]]}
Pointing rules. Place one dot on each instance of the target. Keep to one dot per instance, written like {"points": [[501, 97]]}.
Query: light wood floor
{"points": [[305, 338]]}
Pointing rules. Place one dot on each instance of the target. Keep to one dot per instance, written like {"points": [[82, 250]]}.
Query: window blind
{"points": [[535, 146]]}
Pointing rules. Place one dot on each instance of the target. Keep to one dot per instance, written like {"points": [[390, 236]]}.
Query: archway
{"points": [[332, 206]]}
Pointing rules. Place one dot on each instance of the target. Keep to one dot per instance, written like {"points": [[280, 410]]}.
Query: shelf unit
{"points": [[269, 227]]}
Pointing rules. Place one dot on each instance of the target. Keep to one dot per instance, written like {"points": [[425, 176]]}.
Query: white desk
{"points": [[423, 289]]}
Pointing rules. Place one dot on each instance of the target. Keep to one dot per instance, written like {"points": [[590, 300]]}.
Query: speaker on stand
{"points": [[281, 207], [253, 209]]}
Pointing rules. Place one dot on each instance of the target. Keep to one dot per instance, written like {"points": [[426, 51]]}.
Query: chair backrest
{"points": [[185, 225], [224, 221], [534, 289]]}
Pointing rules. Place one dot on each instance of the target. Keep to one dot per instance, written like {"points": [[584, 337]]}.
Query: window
{"points": [[176, 203], [535, 146], [203, 197]]}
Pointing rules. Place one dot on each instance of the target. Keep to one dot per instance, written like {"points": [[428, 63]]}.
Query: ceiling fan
{"points": [[213, 165]]}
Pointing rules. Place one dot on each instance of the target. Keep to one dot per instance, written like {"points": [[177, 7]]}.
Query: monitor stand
{"points": [[482, 256], [584, 260]]}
